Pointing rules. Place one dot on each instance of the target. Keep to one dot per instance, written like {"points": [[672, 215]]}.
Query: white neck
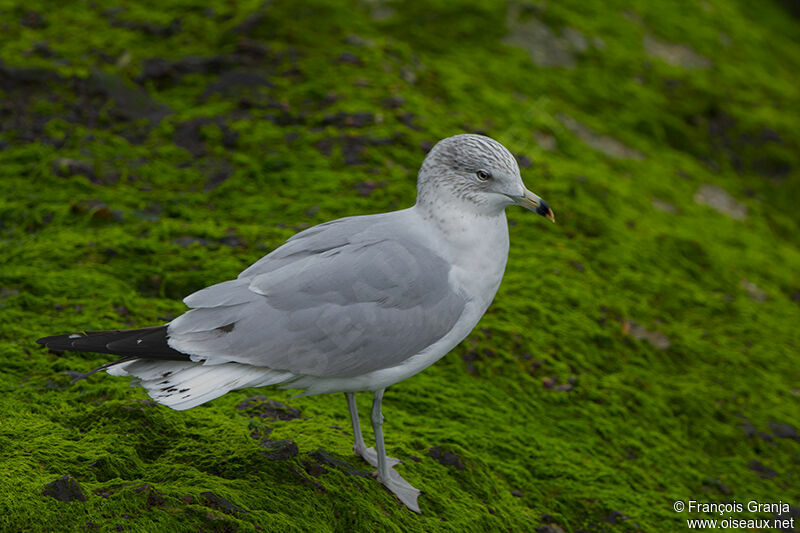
{"points": [[475, 243]]}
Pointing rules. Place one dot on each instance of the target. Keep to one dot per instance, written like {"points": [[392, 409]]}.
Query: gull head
{"points": [[478, 173]]}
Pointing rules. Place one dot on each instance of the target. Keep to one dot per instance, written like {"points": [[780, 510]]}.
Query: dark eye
{"points": [[483, 175]]}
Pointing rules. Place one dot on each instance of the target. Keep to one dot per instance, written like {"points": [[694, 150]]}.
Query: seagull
{"points": [[351, 305]]}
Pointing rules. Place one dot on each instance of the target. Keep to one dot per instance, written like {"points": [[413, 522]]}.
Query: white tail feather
{"points": [[182, 385]]}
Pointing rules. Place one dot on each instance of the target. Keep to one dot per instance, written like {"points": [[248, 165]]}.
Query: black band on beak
{"points": [[543, 208]]}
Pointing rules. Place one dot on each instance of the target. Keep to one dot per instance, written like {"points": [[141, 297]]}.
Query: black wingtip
{"points": [[59, 342], [144, 343]]}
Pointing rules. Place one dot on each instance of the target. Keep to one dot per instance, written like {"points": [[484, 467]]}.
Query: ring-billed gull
{"points": [[356, 304]]}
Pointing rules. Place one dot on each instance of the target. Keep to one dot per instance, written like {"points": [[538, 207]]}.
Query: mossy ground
{"points": [[148, 149]]}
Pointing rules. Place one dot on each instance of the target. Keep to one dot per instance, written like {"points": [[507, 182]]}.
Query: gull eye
{"points": [[483, 175]]}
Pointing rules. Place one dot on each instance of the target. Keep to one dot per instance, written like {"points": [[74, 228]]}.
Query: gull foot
{"points": [[401, 488], [371, 456]]}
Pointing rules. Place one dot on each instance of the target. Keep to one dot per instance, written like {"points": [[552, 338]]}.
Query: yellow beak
{"points": [[535, 204]]}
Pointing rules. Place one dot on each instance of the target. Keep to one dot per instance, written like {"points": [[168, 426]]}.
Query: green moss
{"points": [[167, 145]]}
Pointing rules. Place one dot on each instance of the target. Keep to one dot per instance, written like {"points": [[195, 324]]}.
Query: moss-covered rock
{"points": [[643, 350]]}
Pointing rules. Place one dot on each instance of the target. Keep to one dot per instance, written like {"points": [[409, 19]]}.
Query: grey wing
{"points": [[332, 306]]}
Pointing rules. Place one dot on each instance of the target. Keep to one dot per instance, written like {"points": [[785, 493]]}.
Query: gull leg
{"points": [[386, 474], [360, 449]]}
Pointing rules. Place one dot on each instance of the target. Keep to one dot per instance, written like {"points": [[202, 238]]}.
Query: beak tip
{"points": [[545, 211]]}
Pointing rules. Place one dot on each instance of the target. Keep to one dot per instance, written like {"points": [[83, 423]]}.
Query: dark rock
{"points": [[131, 103], [615, 517], [352, 150], [230, 137], [524, 161], [281, 449], [548, 382], [765, 437], [159, 69], [26, 77], [327, 458], [156, 68], [577, 266], [408, 120], [33, 19], [366, 187], [749, 429], [517, 494], [218, 171], [393, 102], [252, 49], [261, 433], [221, 504], [772, 168], [349, 57], [65, 167], [353, 146], [150, 28], [188, 135], [446, 458], [154, 497], [783, 431], [762, 470], [349, 120], [65, 489], [186, 241], [232, 241], [263, 407], [469, 358], [796, 296], [314, 469], [306, 480], [329, 99], [231, 83], [415, 458], [249, 24]]}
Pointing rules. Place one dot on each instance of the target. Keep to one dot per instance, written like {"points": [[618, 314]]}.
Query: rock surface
{"points": [[148, 150]]}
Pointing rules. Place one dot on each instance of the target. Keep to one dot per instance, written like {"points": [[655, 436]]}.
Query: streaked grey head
{"points": [[477, 172]]}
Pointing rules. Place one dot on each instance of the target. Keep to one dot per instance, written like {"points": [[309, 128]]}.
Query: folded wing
{"points": [[339, 300]]}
